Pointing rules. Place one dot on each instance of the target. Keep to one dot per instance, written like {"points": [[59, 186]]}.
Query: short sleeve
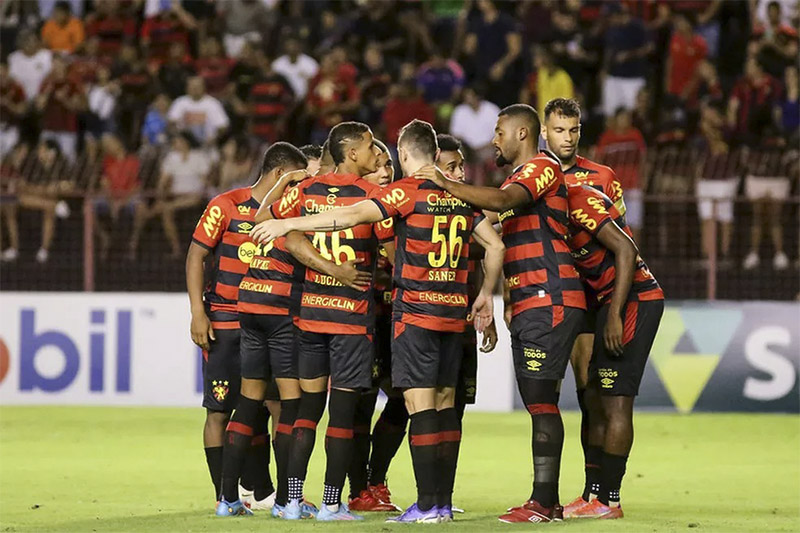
{"points": [[588, 211], [478, 217], [396, 199], [384, 230], [211, 226], [538, 177], [289, 204]]}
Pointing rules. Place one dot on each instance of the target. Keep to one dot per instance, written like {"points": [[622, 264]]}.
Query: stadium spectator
{"points": [[84, 63], [198, 113], [213, 66], [686, 52], [271, 98], [473, 122], [12, 109], [751, 103], [160, 31], [404, 105], [374, 85], [137, 88], [176, 71], [47, 8], [13, 169], [244, 21], [622, 147], [332, 97], [774, 42], [155, 129], [111, 27], [547, 82], [63, 32], [440, 79], [789, 108], [235, 165], [30, 65], [626, 47], [296, 66], [60, 101], [102, 102]]}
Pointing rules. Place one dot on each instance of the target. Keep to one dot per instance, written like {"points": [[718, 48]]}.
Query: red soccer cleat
{"points": [[574, 505], [366, 501], [382, 494], [596, 509], [531, 511]]}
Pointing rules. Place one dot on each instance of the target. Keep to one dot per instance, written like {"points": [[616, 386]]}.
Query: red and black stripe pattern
{"points": [[270, 98], [326, 305], [273, 283], [589, 211], [538, 268], [224, 230], [433, 230], [597, 176]]}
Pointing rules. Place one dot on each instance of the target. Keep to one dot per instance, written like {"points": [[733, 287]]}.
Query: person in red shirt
{"points": [[12, 108], [622, 147], [686, 51], [160, 32], [60, 100], [111, 28], [404, 105], [213, 66], [752, 102], [332, 96]]}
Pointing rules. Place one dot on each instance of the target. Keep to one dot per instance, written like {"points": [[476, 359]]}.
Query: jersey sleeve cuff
{"points": [[382, 208], [197, 241]]}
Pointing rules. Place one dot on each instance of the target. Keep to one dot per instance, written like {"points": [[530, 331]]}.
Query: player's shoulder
{"points": [[583, 193], [594, 166]]}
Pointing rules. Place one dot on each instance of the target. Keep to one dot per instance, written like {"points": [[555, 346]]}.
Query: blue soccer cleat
{"points": [[308, 510], [341, 514], [236, 508], [278, 510], [291, 511], [413, 515], [446, 513]]}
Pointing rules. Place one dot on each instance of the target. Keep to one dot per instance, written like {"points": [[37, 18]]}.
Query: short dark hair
{"points": [[566, 107], [64, 6], [382, 147], [524, 112], [282, 154], [448, 143], [311, 151], [342, 134], [420, 137]]}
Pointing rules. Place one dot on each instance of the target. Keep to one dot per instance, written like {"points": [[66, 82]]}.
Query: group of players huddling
{"points": [[329, 275]]}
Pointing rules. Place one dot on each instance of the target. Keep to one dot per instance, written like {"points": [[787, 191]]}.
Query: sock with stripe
{"points": [[258, 458], [339, 443], [613, 470], [423, 437], [449, 444], [592, 470], [387, 437], [547, 439], [238, 439], [283, 446], [304, 433], [361, 442], [214, 461]]}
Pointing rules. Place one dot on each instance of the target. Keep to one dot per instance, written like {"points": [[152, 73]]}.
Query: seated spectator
{"points": [[313, 153], [243, 21], [235, 165], [687, 50], [155, 127], [102, 101], [63, 32], [164, 29], [296, 67], [547, 82], [332, 96], [111, 27], [751, 103], [13, 169], [271, 99], [213, 66], [200, 114], [176, 71], [60, 101], [374, 86], [473, 122], [627, 46], [30, 65], [12, 109], [404, 105]]}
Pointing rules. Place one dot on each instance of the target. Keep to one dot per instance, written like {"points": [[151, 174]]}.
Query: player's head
{"points": [[562, 127], [326, 163], [517, 127], [313, 153], [350, 144], [451, 157], [416, 146], [384, 175], [281, 158]]}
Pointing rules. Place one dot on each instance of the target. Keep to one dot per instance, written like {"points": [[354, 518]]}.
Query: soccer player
{"points": [[313, 153], [430, 306], [547, 300], [630, 307], [562, 132], [336, 322]]}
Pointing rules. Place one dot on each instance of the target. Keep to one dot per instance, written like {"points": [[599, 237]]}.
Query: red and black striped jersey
{"points": [[274, 282], [224, 229], [589, 211], [597, 176], [431, 265], [382, 283], [326, 305], [538, 267]]}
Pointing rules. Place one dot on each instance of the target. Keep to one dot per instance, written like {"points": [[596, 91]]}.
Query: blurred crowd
{"points": [[155, 105]]}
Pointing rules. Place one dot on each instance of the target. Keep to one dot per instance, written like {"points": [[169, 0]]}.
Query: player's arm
{"points": [[346, 273], [277, 191], [364, 212], [201, 328], [625, 254], [486, 236], [481, 197], [390, 250]]}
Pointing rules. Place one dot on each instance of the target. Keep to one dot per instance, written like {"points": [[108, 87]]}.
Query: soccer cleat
{"points": [[597, 509], [245, 494], [308, 509], [458, 509], [278, 510], [366, 501], [532, 511], [574, 505], [262, 505], [446, 513], [292, 511], [382, 494], [236, 508], [413, 515], [341, 514]]}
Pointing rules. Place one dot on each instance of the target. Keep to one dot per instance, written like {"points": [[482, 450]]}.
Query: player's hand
{"points": [[482, 311], [489, 339], [202, 330], [507, 314], [295, 176], [431, 173], [613, 334], [350, 276], [268, 230]]}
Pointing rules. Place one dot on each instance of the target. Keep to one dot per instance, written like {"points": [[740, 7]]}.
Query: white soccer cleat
{"points": [[262, 505], [245, 495], [780, 261], [751, 261]]}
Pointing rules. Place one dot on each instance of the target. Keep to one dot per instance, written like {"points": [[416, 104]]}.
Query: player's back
{"points": [[600, 177], [273, 282]]}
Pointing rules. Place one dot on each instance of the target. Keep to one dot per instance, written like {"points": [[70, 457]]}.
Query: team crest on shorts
{"points": [[219, 389]]}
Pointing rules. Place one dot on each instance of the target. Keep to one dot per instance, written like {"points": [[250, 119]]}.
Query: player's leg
{"points": [[451, 355], [466, 385], [357, 473]]}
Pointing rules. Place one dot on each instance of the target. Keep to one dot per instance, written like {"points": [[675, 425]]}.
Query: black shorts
{"points": [[540, 350], [589, 324], [221, 371], [347, 359], [423, 358], [621, 376], [468, 375], [269, 347], [382, 364]]}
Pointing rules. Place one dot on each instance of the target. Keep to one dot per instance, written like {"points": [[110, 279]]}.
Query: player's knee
{"points": [[419, 400], [217, 420], [445, 398]]}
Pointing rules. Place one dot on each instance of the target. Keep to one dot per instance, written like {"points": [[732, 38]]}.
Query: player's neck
{"points": [[347, 168], [413, 165], [525, 154], [262, 187], [568, 164]]}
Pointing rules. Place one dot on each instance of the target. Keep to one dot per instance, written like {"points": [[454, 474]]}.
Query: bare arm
{"points": [[346, 273], [201, 329], [276, 192], [625, 253], [483, 309]]}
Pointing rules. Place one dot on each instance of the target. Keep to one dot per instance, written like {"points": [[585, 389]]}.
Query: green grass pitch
{"points": [[120, 469]]}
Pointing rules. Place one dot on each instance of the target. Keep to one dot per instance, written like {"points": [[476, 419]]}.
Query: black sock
{"points": [[304, 433], [361, 426], [214, 461], [283, 445], [592, 469], [339, 442], [257, 464], [613, 470], [423, 437], [584, 421], [449, 444], [387, 436], [238, 437], [547, 440]]}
